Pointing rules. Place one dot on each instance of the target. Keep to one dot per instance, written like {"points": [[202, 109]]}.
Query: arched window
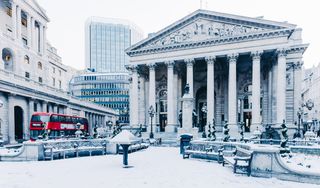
{"points": [[26, 59], [40, 65]]}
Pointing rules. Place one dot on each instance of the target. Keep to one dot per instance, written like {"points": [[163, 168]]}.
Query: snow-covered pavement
{"points": [[154, 167]]}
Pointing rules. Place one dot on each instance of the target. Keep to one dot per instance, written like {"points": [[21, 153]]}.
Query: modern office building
{"points": [[105, 42], [107, 83], [110, 90]]}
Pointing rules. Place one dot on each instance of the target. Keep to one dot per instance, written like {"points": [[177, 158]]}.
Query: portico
{"points": [[240, 68]]}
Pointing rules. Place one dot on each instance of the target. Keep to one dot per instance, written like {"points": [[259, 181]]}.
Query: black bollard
{"points": [[125, 148]]}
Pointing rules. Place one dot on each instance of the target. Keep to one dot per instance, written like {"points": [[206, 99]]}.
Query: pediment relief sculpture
{"points": [[203, 30]]}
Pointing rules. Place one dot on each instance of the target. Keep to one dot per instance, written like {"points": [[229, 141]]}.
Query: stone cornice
{"points": [[297, 49], [212, 42]]}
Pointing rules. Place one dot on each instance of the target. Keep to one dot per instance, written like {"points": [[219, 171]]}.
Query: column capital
{"points": [[189, 61], [232, 58], [256, 55], [297, 65], [170, 64], [152, 66], [131, 68], [210, 59], [282, 52]]}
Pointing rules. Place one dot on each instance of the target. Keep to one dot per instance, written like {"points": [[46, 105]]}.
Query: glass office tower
{"points": [[107, 81], [106, 41]]}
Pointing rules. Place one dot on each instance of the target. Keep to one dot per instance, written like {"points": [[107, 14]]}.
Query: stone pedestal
{"points": [[171, 128], [187, 108]]}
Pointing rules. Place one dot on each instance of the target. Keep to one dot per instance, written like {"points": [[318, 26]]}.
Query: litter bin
{"points": [[185, 141]]}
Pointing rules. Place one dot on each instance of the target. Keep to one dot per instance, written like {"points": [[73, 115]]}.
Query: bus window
{"points": [[62, 119], [54, 118], [40, 118]]}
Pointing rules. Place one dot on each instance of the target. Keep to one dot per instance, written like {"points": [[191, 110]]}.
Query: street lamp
{"points": [[299, 114], [151, 113], [204, 110], [1, 104]]}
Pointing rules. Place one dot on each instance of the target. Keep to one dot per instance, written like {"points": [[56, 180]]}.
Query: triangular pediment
{"points": [[205, 25]]}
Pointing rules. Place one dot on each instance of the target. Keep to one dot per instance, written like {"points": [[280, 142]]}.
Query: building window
{"points": [[59, 72], [53, 82], [25, 41], [27, 74], [9, 10], [35, 105], [26, 59], [53, 70], [40, 79], [40, 65], [59, 84], [23, 18]]}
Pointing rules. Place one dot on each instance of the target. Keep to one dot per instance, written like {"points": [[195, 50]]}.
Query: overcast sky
{"points": [[67, 18]]}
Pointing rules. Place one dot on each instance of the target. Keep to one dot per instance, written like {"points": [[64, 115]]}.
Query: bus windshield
{"points": [[40, 118]]}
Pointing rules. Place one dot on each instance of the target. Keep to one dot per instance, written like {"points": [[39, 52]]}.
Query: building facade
{"points": [[239, 69], [311, 91], [105, 42], [108, 84], [109, 90], [32, 77]]}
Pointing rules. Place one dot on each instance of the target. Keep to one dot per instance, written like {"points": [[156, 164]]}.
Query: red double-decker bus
{"points": [[56, 125]]}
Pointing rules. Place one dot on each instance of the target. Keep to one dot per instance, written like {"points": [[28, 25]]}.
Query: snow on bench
{"points": [[207, 152], [241, 160]]}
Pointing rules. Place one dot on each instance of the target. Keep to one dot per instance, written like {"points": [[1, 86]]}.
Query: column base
{"points": [[256, 126], [193, 131], [171, 128], [234, 131]]}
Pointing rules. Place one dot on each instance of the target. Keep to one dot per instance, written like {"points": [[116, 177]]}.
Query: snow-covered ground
{"points": [[302, 162], [151, 168]]}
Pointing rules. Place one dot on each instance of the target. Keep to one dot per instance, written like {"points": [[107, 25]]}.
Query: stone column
{"points": [[55, 108], [232, 96], [90, 124], [29, 28], [281, 86], [256, 120], [171, 126], [41, 39], [44, 106], [134, 112], [297, 88], [210, 90], [11, 127], [34, 34], [19, 24], [44, 40], [30, 110], [14, 19], [190, 63], [152, 94]]}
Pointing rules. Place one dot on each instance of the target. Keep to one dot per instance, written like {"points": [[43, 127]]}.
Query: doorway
{"points": [[247, 116], [18, 123]]}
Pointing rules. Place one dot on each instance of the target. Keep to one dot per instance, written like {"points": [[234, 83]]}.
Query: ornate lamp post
{"points": [[151, 114], [1, 104], [299, 114], [204, 110]]}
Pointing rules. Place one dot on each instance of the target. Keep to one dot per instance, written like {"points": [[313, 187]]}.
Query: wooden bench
{"points": [[208, 152], [241, 160]]}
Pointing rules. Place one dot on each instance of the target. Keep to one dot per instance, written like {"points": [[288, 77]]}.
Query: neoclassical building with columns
{"points": [[32, 76], [239, 69]]}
